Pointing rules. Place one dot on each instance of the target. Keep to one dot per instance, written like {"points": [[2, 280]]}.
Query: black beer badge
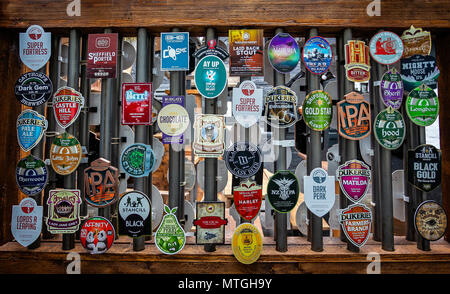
{"points": [[424, 167], [33, 89], [31, 175], [135, 215], [282, 191], [243, 159]]}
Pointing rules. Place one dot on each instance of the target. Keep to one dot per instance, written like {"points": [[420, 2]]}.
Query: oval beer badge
{"points": [[389, 128], [283, 53], [317, 55], [26, 221], [243, 159], [386, 48], [31, 175], [246, 243], [424, 167], [354, 178], [97, 235], [354, 121], [30, 129], [417, 70], [67, 105], [391, 89], [356, 221], [135, 215], [138, 160], [430, 220], [282, 191], [317, 110], [33, 89], [65, 154], [247, 199], [422, 106], [170, 237], [210, 76]]}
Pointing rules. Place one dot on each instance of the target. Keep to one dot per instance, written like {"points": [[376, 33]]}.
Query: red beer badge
{"points": [[247, 199], [355, 222], [97, 235], [67, 105]]}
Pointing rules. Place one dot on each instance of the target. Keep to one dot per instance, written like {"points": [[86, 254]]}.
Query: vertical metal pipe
{"points": [[422, 243], [149, 129]]}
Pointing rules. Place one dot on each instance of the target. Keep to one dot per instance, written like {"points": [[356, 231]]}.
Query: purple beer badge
{"points": [[391, 89], [354, 177], [173, 119]]}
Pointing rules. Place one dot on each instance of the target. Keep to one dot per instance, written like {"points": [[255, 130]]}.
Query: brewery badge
{"points": [[424, 167], [102, 56], [135, 214], [138, 160], [386, 47], [430, 220], [317, 110], [283, 53], [282, 191], [422, 106], [246, 243], [243, 159], [101, 181], [136, 103], [173, 119], [63, 211], [319, 191], [170, 237], [246, 52], [317, 55], [65, 154], [356, 221], [354, 121], [389, 128], [247, 199], [30, 129], [31, 175], [211, 48], [67, 105], [210, 222], [416, 41], [417, 70], [175, 51], [354, 178], [26, 221], [357, 61], [97, 235], [210, 76], [33, 89], [35, 47], [247, 103], [209, 133], [391, 89], [281, 107]]}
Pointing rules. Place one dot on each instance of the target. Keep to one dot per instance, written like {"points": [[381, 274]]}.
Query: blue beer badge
{"points": [[30, 129], [33, 88], [138, 160], [31, 175], [174, 51], [317, 55]]}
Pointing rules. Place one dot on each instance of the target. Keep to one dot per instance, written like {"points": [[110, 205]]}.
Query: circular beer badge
{"points": [[65, 154], [173, 119], [389, 128], [422, 106], [33, 89], [391, 89], [97, 235], [386, 48], [430, 220], [31, 175], [138, 160], [282, 191], [243, 159], [246, 243], [283, 53], [318, 110]]}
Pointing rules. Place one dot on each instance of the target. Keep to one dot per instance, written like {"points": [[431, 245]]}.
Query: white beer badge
{"points": [[35, 47], [248, 103], [319, 191], [26, 221]]}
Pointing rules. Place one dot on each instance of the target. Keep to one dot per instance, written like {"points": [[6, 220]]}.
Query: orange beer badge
{"points": [[357, 61], [101, 183], [65, 154], [354, 117]]}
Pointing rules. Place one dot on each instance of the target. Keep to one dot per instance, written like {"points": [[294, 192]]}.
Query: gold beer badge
{"points": [[246, 243], [65, 154]]}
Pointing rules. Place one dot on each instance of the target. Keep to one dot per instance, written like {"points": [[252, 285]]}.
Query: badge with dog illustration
{"points": [[317, 55], [65, 154], [424, 167], [319, 191], [209, 135], [67, 105], [386, 47], [354, 121], [138, 160], [357, 61], [246, 243], [389, 128], [281, 107], [391, 89], [356, 221], [63, 211], [30, 129], [170, 237], [416, 41], [26, 221], [317, 110], [33, 88], [97, 235], [101, 183], [135, 215], [430, 220], [417, 70], [247, 199], [31, 175], [282, 191], [354, 178], [210, 222], [422, 106]]}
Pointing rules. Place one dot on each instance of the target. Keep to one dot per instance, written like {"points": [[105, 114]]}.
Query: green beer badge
{"points": [[318, 110], [422, 106], [170, 237], [389, 128]]}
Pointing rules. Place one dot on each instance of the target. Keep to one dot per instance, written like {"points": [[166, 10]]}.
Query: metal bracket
{"points": [[116, 140], [51, 134], [405, 198]]}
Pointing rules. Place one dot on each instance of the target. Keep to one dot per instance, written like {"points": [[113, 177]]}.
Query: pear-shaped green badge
{"points": [[170, 236]]}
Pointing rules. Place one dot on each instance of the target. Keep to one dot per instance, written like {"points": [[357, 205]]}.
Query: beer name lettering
{"points": [[101, 56], [35, 48]]}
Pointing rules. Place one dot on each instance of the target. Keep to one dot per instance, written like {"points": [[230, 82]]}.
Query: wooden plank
{"points": [[196, 15]]}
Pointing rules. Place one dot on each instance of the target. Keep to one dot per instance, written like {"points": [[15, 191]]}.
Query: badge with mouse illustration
{"points": [[97, 235], [170, 237], [210, 222]]}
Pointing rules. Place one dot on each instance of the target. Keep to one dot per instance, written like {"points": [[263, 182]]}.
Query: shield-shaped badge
{"points": [[354, 121], [247, 103], [356, 221], [357, 61], [65, 154], [354, 178], [101, 182], [35, 47], [391, 89], [281, 107], [67, 105], [63, 211], [30, 129], [135, 214], [247, 199], [389, 128], [416, 41], [424, 167], [210, 222], [26, 221], [417, 70], [31, 175], [422, 106], [33, 88], [138, 160], [319, 191], [97, 235]]}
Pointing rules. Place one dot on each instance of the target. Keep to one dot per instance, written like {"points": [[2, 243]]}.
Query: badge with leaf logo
{"points": [[170, 237]]}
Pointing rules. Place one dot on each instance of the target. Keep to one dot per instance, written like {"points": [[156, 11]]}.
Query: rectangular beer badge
{"points": [[136, 103], [102, 56], [210, 223], [246, 52], [174, 51]]}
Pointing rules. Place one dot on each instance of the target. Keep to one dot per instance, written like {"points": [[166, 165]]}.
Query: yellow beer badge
{"points": [[246, 243]]}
